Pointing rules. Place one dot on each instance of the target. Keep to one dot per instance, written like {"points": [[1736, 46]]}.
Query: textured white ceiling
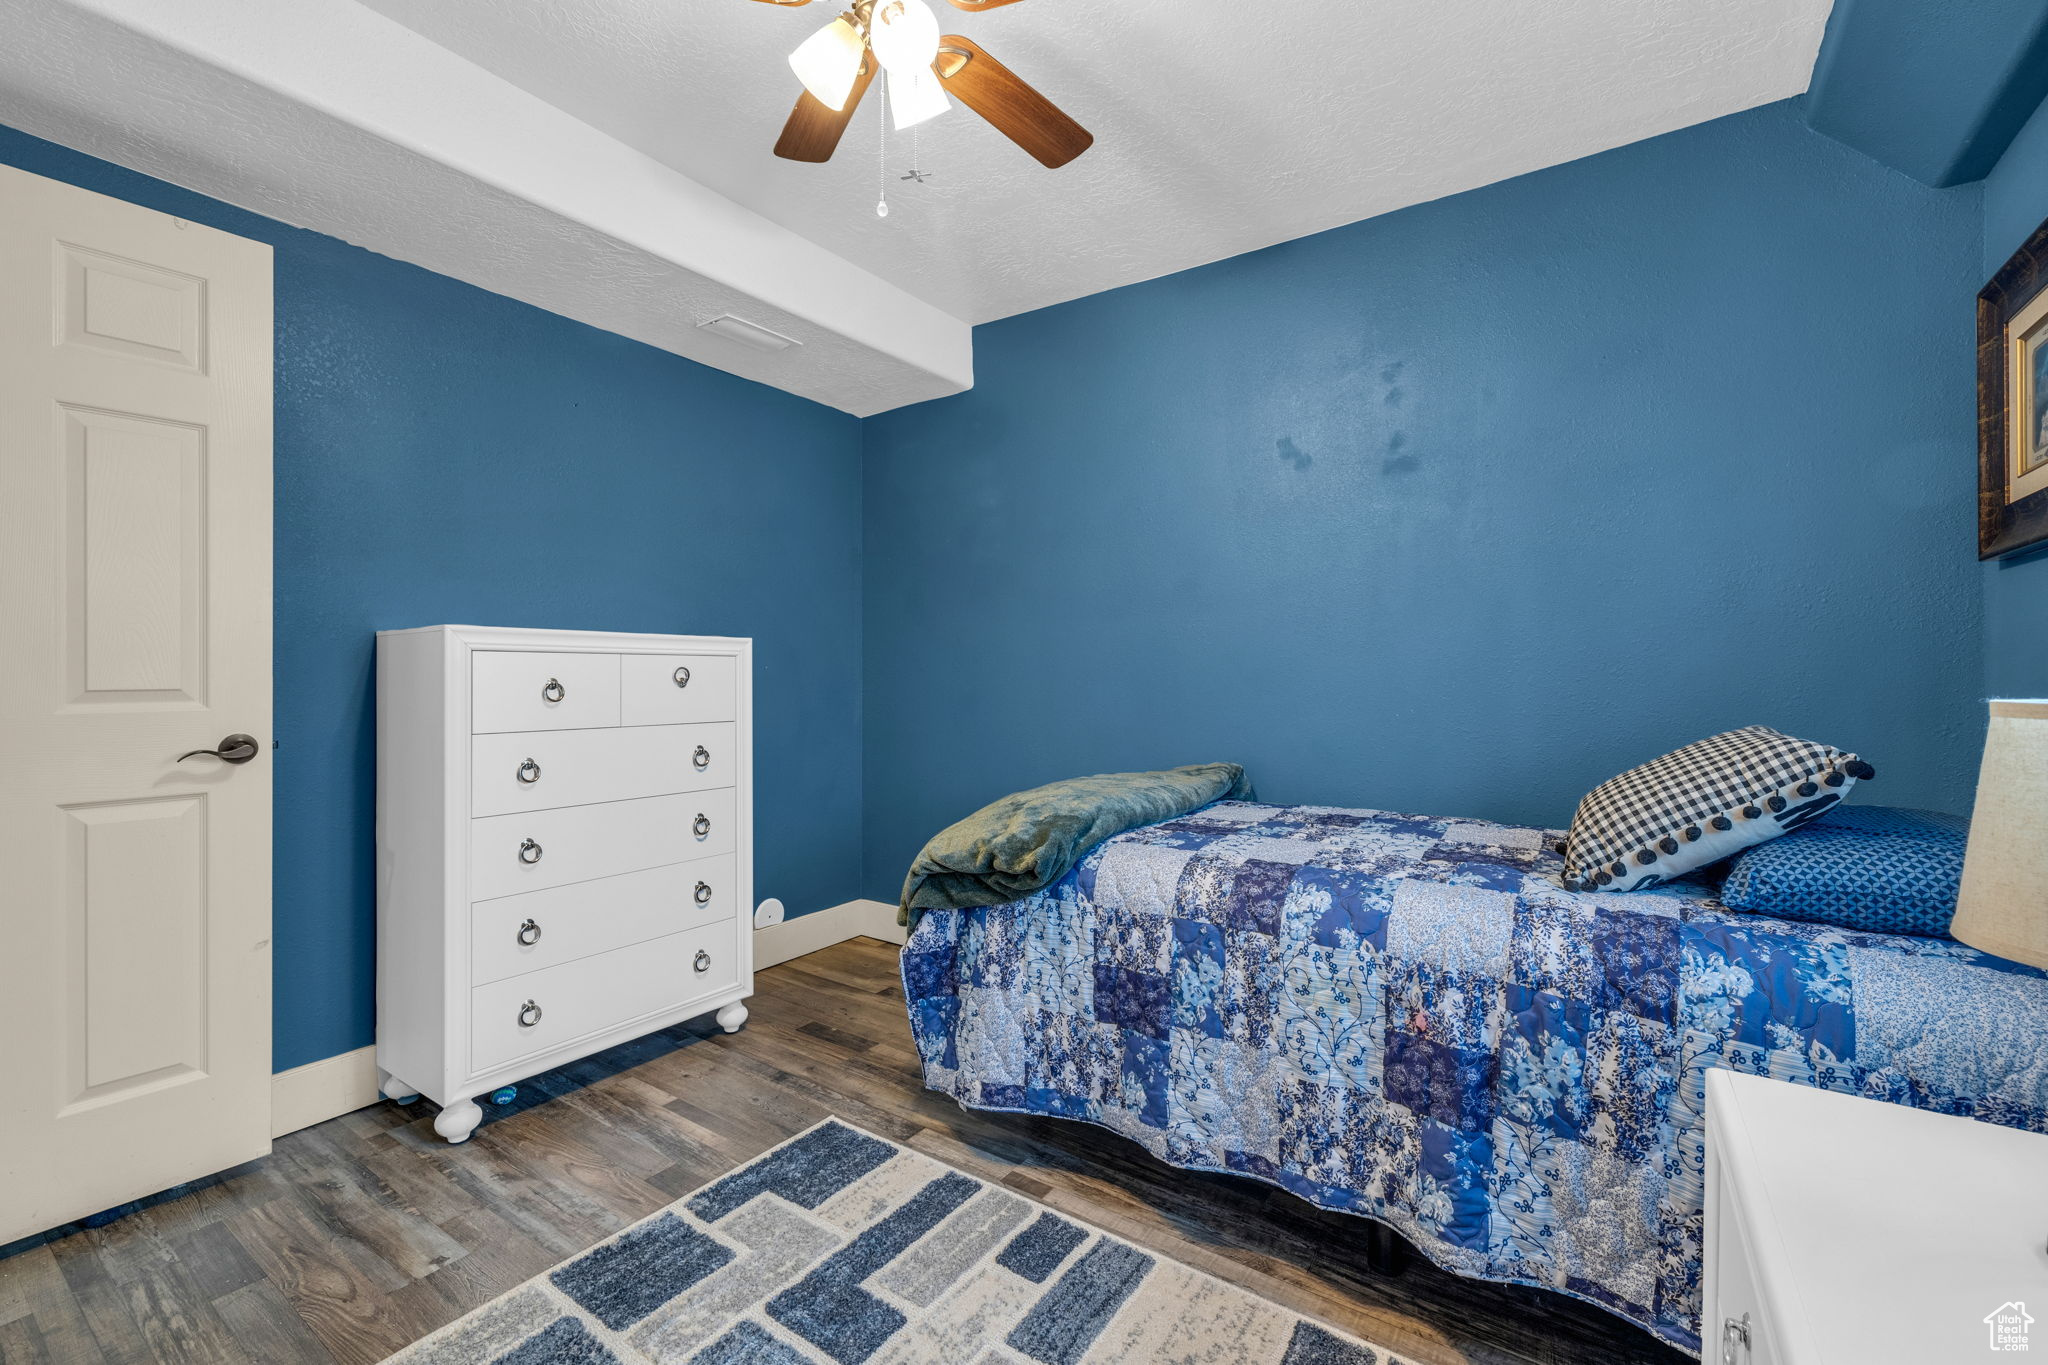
{"points": [[1220, 127], [330, 116]]}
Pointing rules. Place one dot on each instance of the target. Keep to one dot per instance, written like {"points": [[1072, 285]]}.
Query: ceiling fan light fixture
{"points": [[828, 62], [917, 99], [906, 37]]}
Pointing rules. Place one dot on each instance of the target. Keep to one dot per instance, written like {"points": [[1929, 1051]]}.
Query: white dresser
{"points": [[1846, 1231], [565, 853]]}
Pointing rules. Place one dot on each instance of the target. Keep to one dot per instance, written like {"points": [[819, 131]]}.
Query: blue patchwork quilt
{"points": [[1408, 1018]]}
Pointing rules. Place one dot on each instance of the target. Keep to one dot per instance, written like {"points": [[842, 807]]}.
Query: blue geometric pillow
{"points": [[1875, 868]]}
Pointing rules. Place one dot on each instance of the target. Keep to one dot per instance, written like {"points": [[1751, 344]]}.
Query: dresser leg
{"points": [[458, 1120], [732, 1016], [393, 1089]]}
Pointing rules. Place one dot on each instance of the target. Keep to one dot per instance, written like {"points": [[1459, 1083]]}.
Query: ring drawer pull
{"points": [[529, 851], [701, 759], [703, 893], [703, 963], [529, 934], [529, 1014], [1735, 1341], [529, 772], [554, 691], [682, 677], [702, 824]]}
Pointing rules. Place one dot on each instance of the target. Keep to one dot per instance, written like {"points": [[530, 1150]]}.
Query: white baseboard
{"points": [[823, 928], [321, 1090], [333, 1086]]}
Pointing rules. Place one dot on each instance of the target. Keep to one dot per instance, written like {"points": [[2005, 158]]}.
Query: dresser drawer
{"points": [[678, 689], [549, 1009], [510, 854], [520, 691], [548, 768], [516, 934]]}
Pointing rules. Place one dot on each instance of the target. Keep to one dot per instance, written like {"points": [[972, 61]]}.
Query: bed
{"points": [[1407, 1018]]}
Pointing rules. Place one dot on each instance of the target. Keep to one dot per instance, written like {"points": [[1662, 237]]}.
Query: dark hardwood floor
{"points": [[367, 1232]]}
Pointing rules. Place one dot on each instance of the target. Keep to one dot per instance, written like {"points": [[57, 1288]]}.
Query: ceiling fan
{"points": [[902, 38]]}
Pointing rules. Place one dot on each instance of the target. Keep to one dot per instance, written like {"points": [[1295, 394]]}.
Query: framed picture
{"points": [[2012, 403]]}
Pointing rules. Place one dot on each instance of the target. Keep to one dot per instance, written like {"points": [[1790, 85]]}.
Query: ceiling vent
{"points": [[747, 333]]}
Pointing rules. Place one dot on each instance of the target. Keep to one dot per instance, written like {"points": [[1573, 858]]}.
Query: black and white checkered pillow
{"points": [[1699, 804]]}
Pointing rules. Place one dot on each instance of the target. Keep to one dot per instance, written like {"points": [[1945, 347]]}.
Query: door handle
{"points": [[233, 749]]}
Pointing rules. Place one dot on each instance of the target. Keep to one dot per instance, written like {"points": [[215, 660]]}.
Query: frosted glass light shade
{"points": [[828, 61], [2003, 907], [906, 37], [914, 100]]}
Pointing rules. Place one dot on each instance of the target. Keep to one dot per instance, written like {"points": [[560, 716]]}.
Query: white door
{"points": [[135, 355]]}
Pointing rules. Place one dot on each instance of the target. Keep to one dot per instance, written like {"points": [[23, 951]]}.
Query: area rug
{"points": [[842, 1247]]}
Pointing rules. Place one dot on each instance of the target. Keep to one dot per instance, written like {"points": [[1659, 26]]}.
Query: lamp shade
{"points": [[905, 35], [828, 61], [2003, 908], [914, 100]]}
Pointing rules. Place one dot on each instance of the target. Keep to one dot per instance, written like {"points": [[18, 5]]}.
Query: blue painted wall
{"points": [[1458, 510], [1934, 88], [447, 454], [2016, 589]]}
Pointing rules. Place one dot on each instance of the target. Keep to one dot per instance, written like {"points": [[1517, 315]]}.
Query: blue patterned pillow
{"points": [[1878, 869]]}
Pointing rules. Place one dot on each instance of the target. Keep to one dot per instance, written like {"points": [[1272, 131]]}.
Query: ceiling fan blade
{"points": [[972, 5], [794, 3], [1018, 112], [814, 128]]}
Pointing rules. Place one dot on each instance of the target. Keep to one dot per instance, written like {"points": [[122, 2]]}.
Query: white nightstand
{"points": [[1846, 1230]]}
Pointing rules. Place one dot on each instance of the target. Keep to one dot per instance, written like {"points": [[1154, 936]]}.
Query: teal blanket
{"points": [[1029, 840]]}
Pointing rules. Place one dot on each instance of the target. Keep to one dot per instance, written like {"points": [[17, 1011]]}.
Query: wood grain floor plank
{"points": [[600, 1127], [701, 1149], [21, 1343], [499, 1255], [364, 1126], [629, 1105], [547, 1142], [38, 1281], [17, 1276], [99, 1299], [245, 1187], [266, 1328], [346, 1311], [840, 1038], [853, 1088], [766, 1117], [178, 1321], [130, 1247], [216, 1261], [398, 1236], [410, 1177], [853, 970], [419, 1308], [561, 1218]]}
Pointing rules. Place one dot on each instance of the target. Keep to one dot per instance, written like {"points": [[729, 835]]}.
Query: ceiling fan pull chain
{"points": [[916, 160], [882, 150]]}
